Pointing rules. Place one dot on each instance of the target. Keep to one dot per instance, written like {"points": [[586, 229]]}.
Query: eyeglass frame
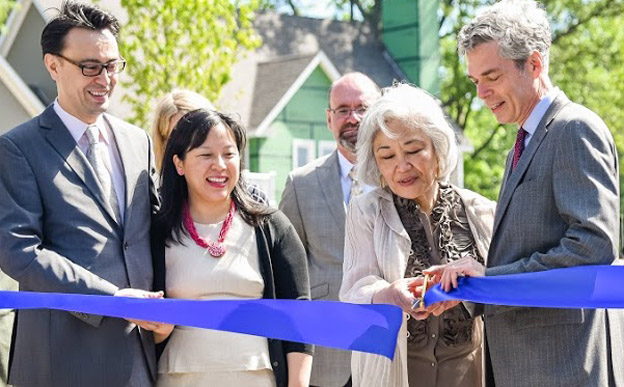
{"points": [[102, 66], [348, 112]]}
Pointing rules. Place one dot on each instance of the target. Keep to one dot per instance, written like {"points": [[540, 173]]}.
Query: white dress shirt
{"points": [[530, 125], [77, 129], [345, 180]]}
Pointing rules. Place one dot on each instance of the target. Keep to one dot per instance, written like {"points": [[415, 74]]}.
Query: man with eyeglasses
{"points": [[315, 200], [77, 193]]}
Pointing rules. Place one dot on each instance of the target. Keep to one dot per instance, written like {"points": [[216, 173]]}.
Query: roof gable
{"points": [[277, 81]]}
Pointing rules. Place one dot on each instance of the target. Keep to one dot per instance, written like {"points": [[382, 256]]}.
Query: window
{"points": [[326, 147], [303, 152]]}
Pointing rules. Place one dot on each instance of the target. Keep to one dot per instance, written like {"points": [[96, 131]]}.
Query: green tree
{"points": [[6, 6], [185, 44]]}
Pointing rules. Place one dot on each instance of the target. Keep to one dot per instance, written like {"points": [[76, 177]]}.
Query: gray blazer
{"points": [[313, 202], [58, 234], [558, 208]]}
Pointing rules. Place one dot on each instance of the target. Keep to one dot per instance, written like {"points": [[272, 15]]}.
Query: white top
{"points": [[530, 125], [77, 128], [345, 180], [376, 253], [192, 273]]}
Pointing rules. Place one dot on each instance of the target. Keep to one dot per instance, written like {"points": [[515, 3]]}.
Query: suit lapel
{"points": [[129, 165], [328, 176], [511, 179], [59, 137]]}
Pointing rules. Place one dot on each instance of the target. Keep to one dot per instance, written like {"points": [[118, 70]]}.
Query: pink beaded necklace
{"points": [[216, 249]]}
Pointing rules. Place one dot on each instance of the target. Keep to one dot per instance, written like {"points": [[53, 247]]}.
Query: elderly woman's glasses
{"points": [[93, 69], [344, 112]]}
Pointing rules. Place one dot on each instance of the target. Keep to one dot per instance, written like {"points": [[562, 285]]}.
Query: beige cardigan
{"points": [[376, 250]]}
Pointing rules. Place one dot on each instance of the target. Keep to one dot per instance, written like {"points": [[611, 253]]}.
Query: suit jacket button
{"points": [[275, 364], [125, 246]]}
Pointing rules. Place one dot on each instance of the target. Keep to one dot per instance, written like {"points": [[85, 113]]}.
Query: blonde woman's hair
{"points": [[177, 101]]}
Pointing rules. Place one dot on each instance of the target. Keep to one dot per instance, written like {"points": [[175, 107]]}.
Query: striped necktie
{"points": [[97, 154]]}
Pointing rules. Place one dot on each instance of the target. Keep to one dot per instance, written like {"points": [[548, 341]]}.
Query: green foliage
{"points": [[587, 62], [6, 6], [182, 44]]}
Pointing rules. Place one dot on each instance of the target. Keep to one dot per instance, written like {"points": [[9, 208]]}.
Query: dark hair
{"points": [[75, 15], [189, 133]]}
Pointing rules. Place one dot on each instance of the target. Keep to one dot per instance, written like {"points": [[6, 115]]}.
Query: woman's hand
{"points": [[161, 330], [299, 369], [403, 293]]}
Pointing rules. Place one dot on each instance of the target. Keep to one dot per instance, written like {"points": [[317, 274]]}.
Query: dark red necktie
{"points": [[518, 147]]}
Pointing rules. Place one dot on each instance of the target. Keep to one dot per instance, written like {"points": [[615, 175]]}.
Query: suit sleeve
{"points": [[153, 181], [289, 205], [22, 253], [362, 276], [586, 196], [290, 265]]}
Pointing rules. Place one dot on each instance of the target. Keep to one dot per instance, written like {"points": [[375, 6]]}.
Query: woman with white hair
{"points": [[412, 221]]}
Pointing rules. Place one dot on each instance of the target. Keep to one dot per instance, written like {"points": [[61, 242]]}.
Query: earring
{"points": [[382, 182], [180, 172]]}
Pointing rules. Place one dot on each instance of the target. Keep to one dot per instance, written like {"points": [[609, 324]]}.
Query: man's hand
{"points": [[447, 274], [159, 328], [138, 293]]}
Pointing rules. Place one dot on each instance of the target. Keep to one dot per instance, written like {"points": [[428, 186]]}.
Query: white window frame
{"points": [[310, 147], [326, 147]]}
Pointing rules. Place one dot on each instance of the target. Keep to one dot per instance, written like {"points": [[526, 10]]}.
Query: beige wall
{"points": [[25, 55], [11, 111]]}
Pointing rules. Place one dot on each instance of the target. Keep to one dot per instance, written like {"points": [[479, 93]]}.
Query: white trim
{"points": [[13, 26], [319, 59], [326, 147], [20, 91], [308, 144]]}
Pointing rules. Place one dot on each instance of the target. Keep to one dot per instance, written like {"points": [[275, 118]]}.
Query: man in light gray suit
{"points": [[558, 206], [76, 197], [315, 199]]}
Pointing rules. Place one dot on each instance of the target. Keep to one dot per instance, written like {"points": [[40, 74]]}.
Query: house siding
{"points": [[302, 118]]}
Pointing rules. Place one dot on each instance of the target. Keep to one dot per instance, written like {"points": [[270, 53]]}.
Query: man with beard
{"points": [[315, 200]]}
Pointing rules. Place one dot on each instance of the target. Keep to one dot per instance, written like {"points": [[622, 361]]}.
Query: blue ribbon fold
{"points": [[365, 328], [576, 287]]}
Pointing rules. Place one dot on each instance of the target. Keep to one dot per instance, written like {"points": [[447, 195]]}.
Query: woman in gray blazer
{"points": [[413, 220]]}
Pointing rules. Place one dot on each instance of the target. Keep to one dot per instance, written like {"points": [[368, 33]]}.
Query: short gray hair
{"points": [[417, 110], [520, 27]]}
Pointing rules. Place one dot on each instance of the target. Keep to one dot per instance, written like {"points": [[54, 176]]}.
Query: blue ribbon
{"points": [[576, 287], [365, 328]]}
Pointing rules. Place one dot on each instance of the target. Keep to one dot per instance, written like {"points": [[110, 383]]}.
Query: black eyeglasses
{"points": [[344, 112], [93, 69]]}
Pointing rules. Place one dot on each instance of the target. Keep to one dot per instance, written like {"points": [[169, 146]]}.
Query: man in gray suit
{"points": [[315, 199], [76, 197], [558, 206]]}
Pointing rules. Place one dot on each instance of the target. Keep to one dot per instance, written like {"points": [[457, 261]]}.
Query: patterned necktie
{"points": [[97, 154], [355, 185], [518, 147]]}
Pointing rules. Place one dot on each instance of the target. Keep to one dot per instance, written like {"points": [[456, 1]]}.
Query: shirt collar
{"points": [[345, 165], [78, 127], [530, 125]]}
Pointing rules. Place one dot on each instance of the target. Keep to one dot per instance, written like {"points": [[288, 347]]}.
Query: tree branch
{"points": [[294, 8], [596, 12], [486, 143]]}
